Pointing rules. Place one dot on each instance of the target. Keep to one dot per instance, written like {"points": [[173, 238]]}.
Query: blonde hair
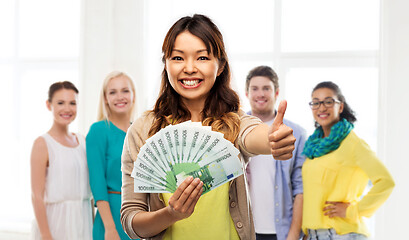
{"points": [[103, 110]]}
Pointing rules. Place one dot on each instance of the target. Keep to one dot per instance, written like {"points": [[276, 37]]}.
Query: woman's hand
{"points": [[291, 236], [181, 205], [111, 233], [336, 209], [183, 201], [281, 136], [47, 237]]}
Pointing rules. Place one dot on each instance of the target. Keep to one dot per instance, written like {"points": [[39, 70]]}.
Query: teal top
{"points": [[104, 150]]}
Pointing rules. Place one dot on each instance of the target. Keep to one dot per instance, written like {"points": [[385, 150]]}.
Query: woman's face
{"points": [[63, 105], [323, 115], [191, 70], [119, 95]]}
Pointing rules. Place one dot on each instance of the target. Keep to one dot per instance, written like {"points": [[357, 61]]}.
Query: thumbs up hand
{"points": [[280, 136]]}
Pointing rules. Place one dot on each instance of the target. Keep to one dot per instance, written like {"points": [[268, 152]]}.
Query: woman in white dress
{"points": [[59, 173]]}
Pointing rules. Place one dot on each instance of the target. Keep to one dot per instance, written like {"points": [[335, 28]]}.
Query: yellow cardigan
{"points": [[342, 175]]}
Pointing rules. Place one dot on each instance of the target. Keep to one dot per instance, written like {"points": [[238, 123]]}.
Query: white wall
{"points": [[111, 40], [392, 219]]}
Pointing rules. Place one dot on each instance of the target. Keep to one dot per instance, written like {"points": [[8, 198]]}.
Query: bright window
{"points": [[330, 25], [39, 46], [336, 40]]}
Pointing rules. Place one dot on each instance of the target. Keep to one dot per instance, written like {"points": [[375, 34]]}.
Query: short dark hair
{"points": [[60, 85], [347, 113], [262, 71]]}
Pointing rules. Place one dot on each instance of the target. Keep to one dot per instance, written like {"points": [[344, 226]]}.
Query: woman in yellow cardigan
{"points": [[336, 172]]}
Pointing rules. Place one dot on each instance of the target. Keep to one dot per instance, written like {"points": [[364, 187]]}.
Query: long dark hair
{"points": [[222, 104], [347, 113]]}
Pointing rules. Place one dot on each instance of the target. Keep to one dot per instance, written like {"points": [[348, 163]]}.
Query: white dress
{"points": [[67, 192]]}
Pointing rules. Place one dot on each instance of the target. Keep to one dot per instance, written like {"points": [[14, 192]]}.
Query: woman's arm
{"points": [[380, 177], [39, 161], [277, 139], [297, 187], [106, 216], [295, 228]]}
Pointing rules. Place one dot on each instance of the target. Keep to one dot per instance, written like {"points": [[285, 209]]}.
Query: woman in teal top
{"points": [[104, 149]]}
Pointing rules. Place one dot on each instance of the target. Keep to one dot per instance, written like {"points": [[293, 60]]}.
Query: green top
{"points": [[104, 150]]}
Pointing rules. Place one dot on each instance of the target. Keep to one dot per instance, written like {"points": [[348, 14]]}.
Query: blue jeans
{"points": [[330, 234]]}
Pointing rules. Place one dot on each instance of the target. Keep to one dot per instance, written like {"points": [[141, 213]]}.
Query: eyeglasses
{"points": [[328, 102]]}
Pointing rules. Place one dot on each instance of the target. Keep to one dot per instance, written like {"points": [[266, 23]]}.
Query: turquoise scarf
{"points": [[317, 146]]}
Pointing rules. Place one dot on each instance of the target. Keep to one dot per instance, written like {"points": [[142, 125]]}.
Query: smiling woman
{"points": [[196, 87], [336, 171], [104, 148], [192, 70], [59, 173], [63, 104]]}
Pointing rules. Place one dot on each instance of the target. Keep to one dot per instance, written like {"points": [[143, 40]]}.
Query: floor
{"points": [[14, 236]]}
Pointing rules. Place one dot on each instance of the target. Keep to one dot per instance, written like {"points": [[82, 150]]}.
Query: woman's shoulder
{"points": [[248, 119], [352, 138], [40, 143], [39, 152], [146, 118], [80, 137], [241, 113], [45, 140], [358, 149], [97, 130], [142, 124], [99, 127], [100, 124], [353, 141]]}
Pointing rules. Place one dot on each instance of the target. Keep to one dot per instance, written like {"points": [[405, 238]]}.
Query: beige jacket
{"points": [[132, 203]]}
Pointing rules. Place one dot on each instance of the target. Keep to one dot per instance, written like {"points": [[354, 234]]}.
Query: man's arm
{"points": [[295, 228], [297, 186]]}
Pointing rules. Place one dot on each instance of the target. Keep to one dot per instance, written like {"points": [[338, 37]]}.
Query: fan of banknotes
{"points": [[182, 150]]}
